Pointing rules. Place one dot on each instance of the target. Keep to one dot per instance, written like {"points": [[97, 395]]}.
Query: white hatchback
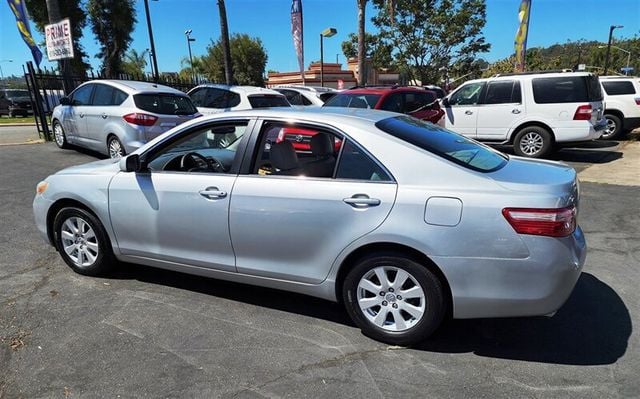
{"points": [[214, 98], [532, 111]]}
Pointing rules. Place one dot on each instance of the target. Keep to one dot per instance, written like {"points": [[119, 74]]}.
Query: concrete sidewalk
{"points": [[15, 134], [624, 171]]}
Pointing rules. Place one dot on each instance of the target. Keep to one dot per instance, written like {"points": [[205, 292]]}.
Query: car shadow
{"points": [[592, 328], [592, 152]]}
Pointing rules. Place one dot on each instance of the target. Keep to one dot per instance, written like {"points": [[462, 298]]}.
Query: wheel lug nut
{"points": [[399, 297], [384, 303], [390, 289], [381, 293], [395, 305]]}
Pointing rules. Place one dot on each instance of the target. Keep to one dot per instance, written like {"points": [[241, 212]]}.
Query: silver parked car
{"points": [[115, 117], [402, 221]]}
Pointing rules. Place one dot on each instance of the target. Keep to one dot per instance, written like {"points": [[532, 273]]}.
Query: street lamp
{"points": [[190, 39], [606, 60], [1, 73], [154, 66], [325, 33], [626, 72]]}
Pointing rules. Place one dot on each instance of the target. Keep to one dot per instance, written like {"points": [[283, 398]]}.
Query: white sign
{"points": [[59, 41]]}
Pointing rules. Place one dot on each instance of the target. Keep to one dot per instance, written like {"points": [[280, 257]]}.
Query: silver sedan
{"points": [[400, 220]]}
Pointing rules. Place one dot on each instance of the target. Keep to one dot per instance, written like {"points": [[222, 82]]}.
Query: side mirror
{"points": [[130, 163], [445, 102], [65, 101]]}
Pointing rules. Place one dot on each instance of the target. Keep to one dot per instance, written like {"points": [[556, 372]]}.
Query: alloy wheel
{"points": [[79, 241], [610, 129], [531, 143], [115, 149], [391, 298], [58, 134]]}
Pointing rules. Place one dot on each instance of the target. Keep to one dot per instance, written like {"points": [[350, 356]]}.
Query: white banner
{"points": [[59, 41]]}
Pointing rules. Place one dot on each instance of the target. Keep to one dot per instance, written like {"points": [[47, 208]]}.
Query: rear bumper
{"points": [[582, 132], [533, 286]]}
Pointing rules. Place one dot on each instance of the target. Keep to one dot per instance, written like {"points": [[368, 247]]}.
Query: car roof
{"points": [[318, 89], [135, 87], [528, 75], [246, 90], [382, 89]]}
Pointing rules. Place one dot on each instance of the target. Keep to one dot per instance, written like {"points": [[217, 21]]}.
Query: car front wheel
{"points": [[394, 299], [83, 242], [59, 136], [533, 142]]}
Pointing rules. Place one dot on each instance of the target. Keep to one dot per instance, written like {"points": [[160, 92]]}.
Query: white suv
{"points": [[622, 104], [214, 98], [532, 111]]}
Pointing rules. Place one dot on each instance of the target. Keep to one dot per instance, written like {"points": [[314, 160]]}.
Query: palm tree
{"points": [[362, 5], [224, 36], [135, 62]]}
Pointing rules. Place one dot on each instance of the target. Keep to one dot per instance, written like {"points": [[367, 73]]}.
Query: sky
{"points": [[552, 21]]}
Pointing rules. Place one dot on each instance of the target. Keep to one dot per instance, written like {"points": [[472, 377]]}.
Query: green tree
{"points": [[428, 35], [247, 55], [112, 22], [135, 62], [187, 72], [78, 19], [375, 49]]}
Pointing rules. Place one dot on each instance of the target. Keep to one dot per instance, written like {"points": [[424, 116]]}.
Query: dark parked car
{"points": [[15, 102]]}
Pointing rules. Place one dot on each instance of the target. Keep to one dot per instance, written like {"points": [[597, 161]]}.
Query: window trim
{"points": [[251, 154]]}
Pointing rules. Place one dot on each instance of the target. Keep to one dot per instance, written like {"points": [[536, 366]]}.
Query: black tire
{"points": [[115, 149], [59, 136], [613, 129], [533, 142], [96, 244], [392, 304]]}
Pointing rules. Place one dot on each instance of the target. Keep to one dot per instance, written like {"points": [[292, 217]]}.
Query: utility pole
{"points": [[53, 11], [226, 49], [154, 66], [606, 60]]}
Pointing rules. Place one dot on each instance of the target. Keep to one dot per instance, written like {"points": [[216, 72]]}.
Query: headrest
{"points": [[321, 144], [283, 156]]}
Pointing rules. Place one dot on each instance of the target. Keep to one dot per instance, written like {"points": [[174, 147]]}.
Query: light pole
{"points": [[190, 39], [325, 33], [150, 61], [154, 66], [606, 60], [626, 72], [1, 73]]}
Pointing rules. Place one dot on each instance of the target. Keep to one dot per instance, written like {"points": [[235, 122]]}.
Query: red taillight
{"points": [[637, 99], [140, 119], [542, 222], [583, 113]]}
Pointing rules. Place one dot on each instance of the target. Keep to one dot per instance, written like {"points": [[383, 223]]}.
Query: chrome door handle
{"points": [[361, 201], [104, 116], [468, 112], [212, 193], [81, 115], [515, 111]]}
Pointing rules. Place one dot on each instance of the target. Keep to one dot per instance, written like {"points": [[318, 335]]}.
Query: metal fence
{"points": [[47, 87]]}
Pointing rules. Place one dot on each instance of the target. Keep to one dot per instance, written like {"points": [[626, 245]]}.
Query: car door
{"points": [[500, 110], [292, 225], [461, 108], [178, 211], [74, 121], [98, 115]]}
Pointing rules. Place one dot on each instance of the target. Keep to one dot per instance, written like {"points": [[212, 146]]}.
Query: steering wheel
{"points": [[193, 162]]}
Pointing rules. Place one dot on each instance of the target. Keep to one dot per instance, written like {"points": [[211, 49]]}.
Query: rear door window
{"points": [[355, 164], [103, 95], [266, 101], [503, 92], [444, 143], [618, 88], [165, 104]]}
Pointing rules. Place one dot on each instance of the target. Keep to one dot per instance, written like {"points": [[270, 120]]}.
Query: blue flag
{"points": [[22, 21]]}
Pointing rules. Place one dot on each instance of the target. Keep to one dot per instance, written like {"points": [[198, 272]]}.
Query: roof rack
{"points": [[535, 72]]}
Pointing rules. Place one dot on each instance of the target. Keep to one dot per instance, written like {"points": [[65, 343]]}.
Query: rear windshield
{"points": [[566, 89], [266, 101], [353, 100], [165, 104], [444, 143], [618, 88]]}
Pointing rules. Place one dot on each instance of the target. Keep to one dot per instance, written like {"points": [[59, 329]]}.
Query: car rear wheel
{"points": [[59, 136], [613, 129], [116, 150], [83, 242], [394, 299], [533, 142]]}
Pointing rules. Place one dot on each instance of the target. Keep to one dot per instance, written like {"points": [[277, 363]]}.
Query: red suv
{"points": [[411, 100]]}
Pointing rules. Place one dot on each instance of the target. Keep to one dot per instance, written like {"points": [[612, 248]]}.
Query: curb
{"points": [[38, 141], [16, 124]]}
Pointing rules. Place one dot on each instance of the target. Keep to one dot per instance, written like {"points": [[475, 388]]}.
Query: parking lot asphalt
{"points": [[143, 332]]}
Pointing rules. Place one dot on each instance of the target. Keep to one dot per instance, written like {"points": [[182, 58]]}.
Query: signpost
{"points": [[59, 40]]}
